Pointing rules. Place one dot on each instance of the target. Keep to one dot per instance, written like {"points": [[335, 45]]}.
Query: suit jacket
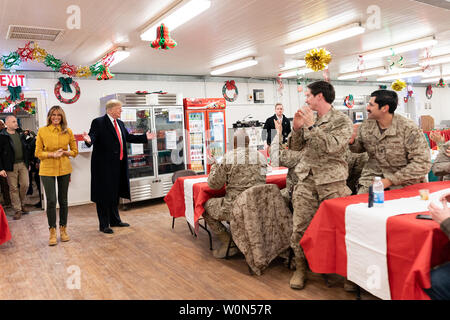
{"points": [[109, 175], [7, 154], [269, 125]]}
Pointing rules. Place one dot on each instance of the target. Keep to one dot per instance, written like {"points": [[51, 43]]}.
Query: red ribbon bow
{"points": [[230, 85]]}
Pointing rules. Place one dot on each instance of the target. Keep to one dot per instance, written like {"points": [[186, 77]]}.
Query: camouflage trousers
{"points": [[306, 199], [214, 214]]}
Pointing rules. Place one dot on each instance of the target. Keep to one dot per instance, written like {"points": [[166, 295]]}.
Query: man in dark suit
{"points": [[109, 164], [269, 125]]}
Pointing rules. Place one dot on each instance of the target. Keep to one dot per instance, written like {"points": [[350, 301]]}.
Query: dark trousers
{"points": [[50, 192], [5, 191], [440, 283], [108, 214]]}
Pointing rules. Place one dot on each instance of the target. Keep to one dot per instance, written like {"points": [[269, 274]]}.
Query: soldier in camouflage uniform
{"points": [[322, 173], [356, 163], [240, 169], [285, 157], [397, 148]]}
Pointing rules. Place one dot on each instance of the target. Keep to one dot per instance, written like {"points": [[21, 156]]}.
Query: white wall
{"points": [[81, 113]]}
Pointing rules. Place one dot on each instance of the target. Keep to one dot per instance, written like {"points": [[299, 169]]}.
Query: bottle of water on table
{"points": [[378, 192]]}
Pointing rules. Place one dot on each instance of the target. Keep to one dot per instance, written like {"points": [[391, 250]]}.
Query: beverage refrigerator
{"points": [[205, 131], [152, 165]]}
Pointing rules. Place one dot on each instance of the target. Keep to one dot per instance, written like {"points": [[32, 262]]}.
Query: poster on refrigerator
{"points": [[175, 115], [128, 115], [171, 140]]}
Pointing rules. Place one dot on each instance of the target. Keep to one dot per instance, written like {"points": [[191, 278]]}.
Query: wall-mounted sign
{"points": [[13, 80], [258, 95]]}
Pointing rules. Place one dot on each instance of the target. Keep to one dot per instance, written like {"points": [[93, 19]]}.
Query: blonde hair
{"points": [[112, 103], [63, 117]]}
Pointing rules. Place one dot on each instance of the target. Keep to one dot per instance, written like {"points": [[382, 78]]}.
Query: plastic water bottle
{"points": [[378, 192]]}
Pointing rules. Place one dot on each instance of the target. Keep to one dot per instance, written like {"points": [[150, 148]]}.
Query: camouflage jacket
{"points": [[240, 169], [400, 154], [441, 166], [356, 163], [282, 157], [323, 148], [261, 225]]}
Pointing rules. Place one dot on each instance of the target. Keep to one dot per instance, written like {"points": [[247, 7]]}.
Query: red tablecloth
{"points": [[445, 133], [413, 246], [5, 234], [202, 193]]}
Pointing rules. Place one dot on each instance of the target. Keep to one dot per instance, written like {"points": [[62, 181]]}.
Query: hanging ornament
{"points": [[382, 87], [228, 86], [349, 102], [326, 75], [67, 69], [64, 84], [1, 66], [429, 92], [398, 85], [409, 94], [441, 83], [395, 60], [280, 85], [83, 72], [26, 53], [105, 74], [13, 59], [39, 54], [299, 85], [52, 62], [163, 40], [317, 59]]}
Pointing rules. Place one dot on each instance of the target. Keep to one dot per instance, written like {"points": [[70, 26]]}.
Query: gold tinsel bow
{"points": [[398, 85], [317, 59]]}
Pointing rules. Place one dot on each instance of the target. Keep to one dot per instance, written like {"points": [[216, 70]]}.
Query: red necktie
{"points": [[120, 140]]}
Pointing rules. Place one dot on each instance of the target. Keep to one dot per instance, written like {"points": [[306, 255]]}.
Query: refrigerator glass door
{"points": [[140, 156], [197, 143], [216, 136], [170, 141]]}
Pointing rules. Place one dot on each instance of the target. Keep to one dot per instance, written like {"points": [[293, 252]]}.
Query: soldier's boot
{"points": [[349, 286], [63, 231], [299, 277], [221, 253], [52, 241]]}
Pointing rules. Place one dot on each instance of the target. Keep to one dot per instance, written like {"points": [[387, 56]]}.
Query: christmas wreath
{"points": [[349, 102], [230, 85], [64, 84]]}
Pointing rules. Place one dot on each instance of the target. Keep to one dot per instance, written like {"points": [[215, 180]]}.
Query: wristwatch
{"points": [[313, 126]]}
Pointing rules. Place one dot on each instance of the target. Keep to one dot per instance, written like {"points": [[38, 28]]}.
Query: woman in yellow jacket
{"points": [[52, 148]]}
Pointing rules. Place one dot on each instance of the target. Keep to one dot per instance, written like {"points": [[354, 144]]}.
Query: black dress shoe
{"points": [[107, 230], [120, 224]]}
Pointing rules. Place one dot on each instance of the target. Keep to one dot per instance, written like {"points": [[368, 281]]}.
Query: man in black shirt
{"points": [[269, 130]]}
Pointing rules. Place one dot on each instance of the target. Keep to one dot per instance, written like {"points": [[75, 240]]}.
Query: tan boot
{"points": [[52, 241], [299, 277], [221, 253], [63, 232]]}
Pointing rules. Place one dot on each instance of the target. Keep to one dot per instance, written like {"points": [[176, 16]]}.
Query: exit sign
{"points": [[13, 80]]}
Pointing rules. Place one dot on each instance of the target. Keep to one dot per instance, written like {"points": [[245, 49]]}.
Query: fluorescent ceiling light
{"points": [[325, 38], [120, 55], [435, 60], [232, 66], [436, 79], [293, 64], [362, 73], [401, 75], [175, 16], [295, 72], [400, 48]]}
